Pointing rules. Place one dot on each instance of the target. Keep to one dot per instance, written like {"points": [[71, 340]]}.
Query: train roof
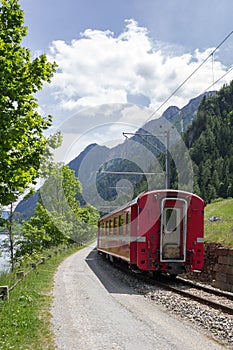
{"points": [[169, 192]]}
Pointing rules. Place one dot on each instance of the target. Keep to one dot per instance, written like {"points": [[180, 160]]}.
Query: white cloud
{"points": [[100, 67], [100, 74]]}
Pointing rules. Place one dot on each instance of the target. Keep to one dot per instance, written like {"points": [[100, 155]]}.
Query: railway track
{"points": [[203, 294]]}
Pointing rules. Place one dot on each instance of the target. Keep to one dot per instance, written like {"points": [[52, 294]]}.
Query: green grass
{"points": [[25, 318], [220, 231]]}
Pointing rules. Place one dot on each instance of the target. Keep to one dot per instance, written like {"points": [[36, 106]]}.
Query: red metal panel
{"points": [[133, 233], [140, 243], [195, 237], [148, 242]]}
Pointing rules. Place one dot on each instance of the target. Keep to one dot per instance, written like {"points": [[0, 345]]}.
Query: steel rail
{"points": [[200, 299], [205, 288], [166, 281]]}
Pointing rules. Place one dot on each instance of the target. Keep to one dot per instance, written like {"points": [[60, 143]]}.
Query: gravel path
{"points": [[95, 309]]}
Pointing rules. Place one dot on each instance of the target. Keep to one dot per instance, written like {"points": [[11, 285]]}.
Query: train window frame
{"points": [[106, 228], [181, 204], [115, 225], [128, 222], [121, 224], [167, 219], [110, 227], [102, 228]]}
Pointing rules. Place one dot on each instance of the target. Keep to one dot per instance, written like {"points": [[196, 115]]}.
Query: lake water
{"points": [[4, 263]]}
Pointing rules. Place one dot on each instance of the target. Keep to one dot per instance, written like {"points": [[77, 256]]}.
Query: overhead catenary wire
{"points": [[210, 86], [185, 81], [173, 93], [213, 68], [216, 81], [182, 84]]}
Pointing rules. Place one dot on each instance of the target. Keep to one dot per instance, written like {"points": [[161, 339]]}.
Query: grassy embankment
{"points": [[25, 317], [220, 231]]}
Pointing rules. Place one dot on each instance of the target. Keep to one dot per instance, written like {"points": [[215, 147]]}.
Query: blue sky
{"points": [[192, 24], [125, 51]]}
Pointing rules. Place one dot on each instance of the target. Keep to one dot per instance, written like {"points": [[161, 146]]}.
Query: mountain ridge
{"points": [[87, 164]]}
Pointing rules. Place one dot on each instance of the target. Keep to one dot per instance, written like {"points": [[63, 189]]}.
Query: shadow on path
{"points": [[108, 274]]}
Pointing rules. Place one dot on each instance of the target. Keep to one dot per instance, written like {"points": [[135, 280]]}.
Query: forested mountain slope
{"points": [[95, 157], [210, 142]]}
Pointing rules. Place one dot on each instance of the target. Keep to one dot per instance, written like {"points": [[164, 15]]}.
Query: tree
{"points": [[58, 215], [22, 140], [41, 232], [59, 192], [209, 140], [59, 196]]}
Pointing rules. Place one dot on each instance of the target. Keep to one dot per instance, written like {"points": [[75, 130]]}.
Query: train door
{"points": [[173, 230]]}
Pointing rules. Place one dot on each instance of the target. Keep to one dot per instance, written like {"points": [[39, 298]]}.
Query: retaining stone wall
{"points": [[224, 269], [218, 267]]}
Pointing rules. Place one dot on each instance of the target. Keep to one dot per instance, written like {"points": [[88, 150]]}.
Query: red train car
{"points": [[158, 231]]}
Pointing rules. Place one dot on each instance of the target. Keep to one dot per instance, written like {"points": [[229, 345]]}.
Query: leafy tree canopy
{"points": [[22, 140], [58, 216]]}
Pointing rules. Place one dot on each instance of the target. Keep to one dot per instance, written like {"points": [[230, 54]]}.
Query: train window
{"points": [[128, 219], [115, 226], [170, 220], [102, 229], [121, 223], [106, 227], [110, 227]]}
